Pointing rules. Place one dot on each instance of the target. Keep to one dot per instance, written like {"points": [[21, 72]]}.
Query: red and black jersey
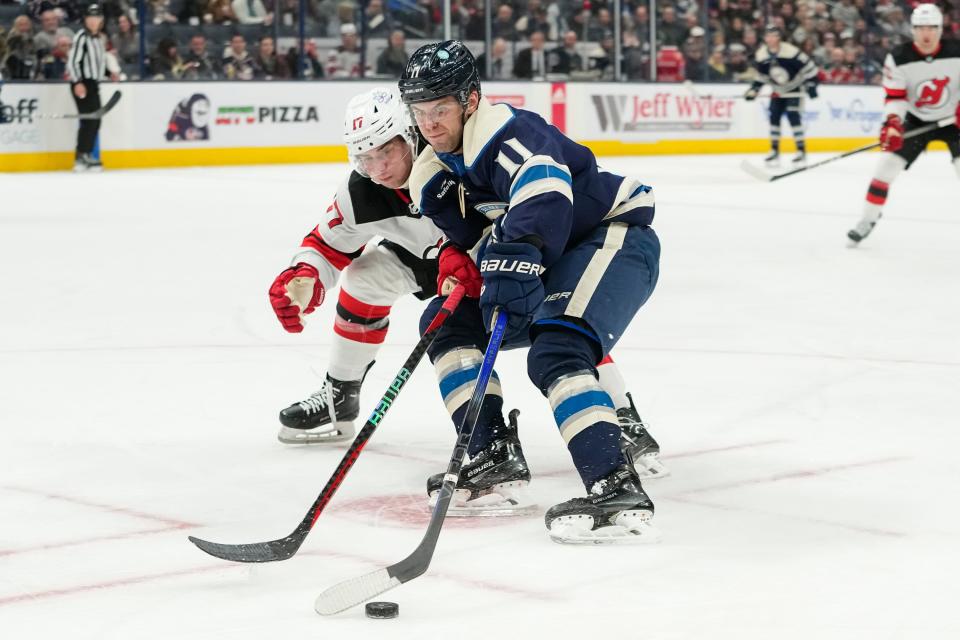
{"points": [[361, 211], [928, 86]]}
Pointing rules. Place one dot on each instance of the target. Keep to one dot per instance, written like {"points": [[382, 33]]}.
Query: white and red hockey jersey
{"points": [[361, 211], [927, 86]]}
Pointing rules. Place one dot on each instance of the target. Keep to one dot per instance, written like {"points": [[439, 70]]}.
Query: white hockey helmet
{"points": [[926, 15], [374, 118]]}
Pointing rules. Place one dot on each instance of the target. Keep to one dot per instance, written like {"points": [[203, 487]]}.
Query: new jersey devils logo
{"points": [[933, 93]]}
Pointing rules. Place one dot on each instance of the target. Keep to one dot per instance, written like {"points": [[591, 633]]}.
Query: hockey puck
{"points": [[382, 610]]}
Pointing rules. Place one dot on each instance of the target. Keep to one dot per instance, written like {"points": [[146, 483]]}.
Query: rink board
{"points": [[174, 124]]}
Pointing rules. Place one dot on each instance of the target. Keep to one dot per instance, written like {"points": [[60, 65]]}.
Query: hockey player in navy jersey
{"points": [[565, 249], [787, 70], [921, 81], [378, 247]]}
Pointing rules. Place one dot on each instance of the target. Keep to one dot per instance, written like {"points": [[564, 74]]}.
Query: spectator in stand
{"points": [[600, 25], [750, 41], [845, 12], [636, 60], [68, 9], [534, 19], [377, 24], [600, 59], [503, 23], [21, 63], [821, 54], [192, 11], [566, 58], [50, 31], [717, 66], [734, 30], [267, 65], [344, 61], [312, 69], [788, 18], [392, 60], [670, 32], [165, 63], [198, 63], [739, 65], [252, 12], [531, 63], [580, 22], [53, 65], [221, 12], [896, 27], [501, 68], [641, 23], [694, 50], [237, 62], [159, 12], [125, 41]]}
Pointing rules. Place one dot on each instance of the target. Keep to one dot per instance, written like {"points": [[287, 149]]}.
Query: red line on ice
{"points": [[179, 524], [103, 538]]}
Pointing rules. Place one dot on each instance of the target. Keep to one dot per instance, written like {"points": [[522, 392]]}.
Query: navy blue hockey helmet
{"points": [[438, 70]]}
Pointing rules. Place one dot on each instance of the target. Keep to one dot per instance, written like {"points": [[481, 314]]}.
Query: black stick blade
{"points": [[272, 551]]}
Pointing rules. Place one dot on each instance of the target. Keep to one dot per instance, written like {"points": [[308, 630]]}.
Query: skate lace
{"points": [[632, 423], [322, 400]]}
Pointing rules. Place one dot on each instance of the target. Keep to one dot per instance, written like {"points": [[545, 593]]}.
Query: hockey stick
{"points": [[689, 86], [352, 592], [285, 548], [762, 175], [93, 115]]}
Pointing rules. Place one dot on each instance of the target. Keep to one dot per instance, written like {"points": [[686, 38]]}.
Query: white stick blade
{"points": [[354, 591], [755, 172]]}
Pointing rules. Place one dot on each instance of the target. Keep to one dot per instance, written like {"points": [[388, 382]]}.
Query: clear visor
{"points": [[380, 160]]}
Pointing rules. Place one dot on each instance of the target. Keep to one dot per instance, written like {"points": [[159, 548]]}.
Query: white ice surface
{"points": [[806, 397]]}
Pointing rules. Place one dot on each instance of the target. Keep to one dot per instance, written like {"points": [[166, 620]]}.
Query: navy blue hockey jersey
{"points": [[533, 181], [786, 70]]}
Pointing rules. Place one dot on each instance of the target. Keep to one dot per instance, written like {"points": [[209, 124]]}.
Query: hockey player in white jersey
{"points": [[371, 203], [376, 238], [921, 81]]}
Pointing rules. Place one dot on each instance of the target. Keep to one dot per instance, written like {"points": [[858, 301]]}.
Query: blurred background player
{"points": [[922, 85], [86, 68], [787, 70], [566, 251]]}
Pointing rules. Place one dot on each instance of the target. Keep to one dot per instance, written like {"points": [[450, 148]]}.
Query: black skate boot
{"points": [[638, 445], [862, 230], [773, 160], [616, 511], [799, 160], [492, 482], [326, 416]]}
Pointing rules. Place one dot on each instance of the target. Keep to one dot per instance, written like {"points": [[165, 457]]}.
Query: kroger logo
{"points": [[866, 119]]}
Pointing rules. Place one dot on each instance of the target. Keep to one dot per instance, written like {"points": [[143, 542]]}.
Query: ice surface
{"points": [[805, 395]]}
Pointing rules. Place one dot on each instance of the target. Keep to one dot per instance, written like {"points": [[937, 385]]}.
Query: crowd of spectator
{"points": [[704, 40]]}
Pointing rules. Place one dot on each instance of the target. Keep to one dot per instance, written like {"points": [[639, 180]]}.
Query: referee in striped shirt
{"points": [[86, 66]]}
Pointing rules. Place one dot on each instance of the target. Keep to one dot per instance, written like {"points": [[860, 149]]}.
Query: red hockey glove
{"points": [[891, 134], [958, 114], [296, 291], [457, 267]]}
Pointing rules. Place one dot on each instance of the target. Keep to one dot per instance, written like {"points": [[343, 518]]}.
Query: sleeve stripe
{"points": [[536, 173], [337, 259]]}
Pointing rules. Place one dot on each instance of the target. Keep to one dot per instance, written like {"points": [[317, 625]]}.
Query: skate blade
{"points": [[649, 467], [506, 499], [630, 527], [341, 432]]}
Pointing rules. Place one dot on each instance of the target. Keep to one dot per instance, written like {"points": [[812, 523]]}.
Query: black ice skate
{"points": [[616, 511], [491, 483], [862, 230], [773, 160], [86, 162], [326, 416], [799, 160], [641, 449]]}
